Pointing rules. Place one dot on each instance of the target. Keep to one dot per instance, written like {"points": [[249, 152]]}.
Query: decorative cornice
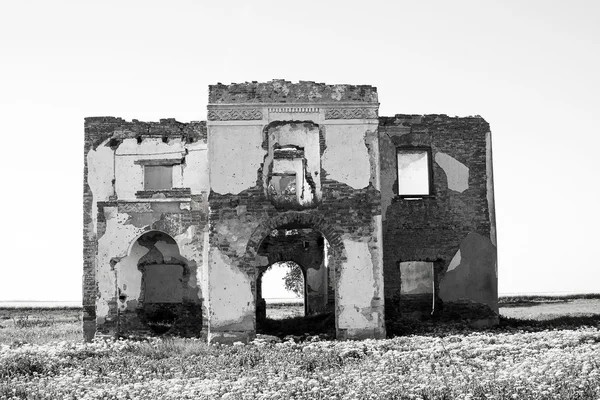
{"points": [[293, 109], [351, 113], [135, 207], [235, 114]]}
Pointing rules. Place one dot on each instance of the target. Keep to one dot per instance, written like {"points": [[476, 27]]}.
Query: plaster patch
{"points": [[192, 250], [236, 232], [475, 277], [356, 286], [457, 173], [376, 250], [203, 273], [351, 317], [388, 172], [195, 169], [455, 261], [416, 277], [346, 158], [115, 243], [189, 247], [128, 275], [372, 143], [231, 299], [100, 175], [235, 155], [489, 171]]}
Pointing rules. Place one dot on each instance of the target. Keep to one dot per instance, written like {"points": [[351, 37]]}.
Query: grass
{"points": [[560, 364], [42, 357], [551, 308], [285, 310], [40, 325], [503, 300]]}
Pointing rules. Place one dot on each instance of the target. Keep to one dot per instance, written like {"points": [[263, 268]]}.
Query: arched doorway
{"points": [[299, 240], [156, 288]]}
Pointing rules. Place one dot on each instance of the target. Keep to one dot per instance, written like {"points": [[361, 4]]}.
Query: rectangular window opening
{"points": [[414, 172], [417, 283], [158, 177]]}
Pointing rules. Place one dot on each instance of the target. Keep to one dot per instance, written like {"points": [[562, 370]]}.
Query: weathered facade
{"points": [[388, 217]]}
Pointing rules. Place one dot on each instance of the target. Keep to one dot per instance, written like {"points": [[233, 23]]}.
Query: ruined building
{"points": [[389, 217]]}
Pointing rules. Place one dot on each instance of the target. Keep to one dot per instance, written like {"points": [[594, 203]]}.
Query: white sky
{"points": [[272, 283], [530, 68]]}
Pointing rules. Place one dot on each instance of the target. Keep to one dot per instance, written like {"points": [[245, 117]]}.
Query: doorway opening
{"points": [[283, 289], [295, 292], [163, 274]]}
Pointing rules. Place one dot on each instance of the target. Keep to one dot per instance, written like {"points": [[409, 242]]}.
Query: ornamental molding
{"points": [[134, 207], [235, 114], [351, 113], [293, 109]]}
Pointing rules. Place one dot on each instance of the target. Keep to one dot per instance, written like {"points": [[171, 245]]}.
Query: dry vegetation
{"points": [[285, 310], [42, 357]]}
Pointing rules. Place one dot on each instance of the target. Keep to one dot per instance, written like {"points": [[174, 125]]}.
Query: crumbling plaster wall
{"points": [[434, 228], [117, 210], [371, 229], [348, 213]]}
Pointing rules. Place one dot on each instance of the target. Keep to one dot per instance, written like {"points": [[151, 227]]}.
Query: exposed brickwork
{"points": [[157, 194], [431, 229], [281, 91], [344, 211], [98, 129]]}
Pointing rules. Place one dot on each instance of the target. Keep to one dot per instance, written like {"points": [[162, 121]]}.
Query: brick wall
{"points": [[431, 229], [281, 91]]}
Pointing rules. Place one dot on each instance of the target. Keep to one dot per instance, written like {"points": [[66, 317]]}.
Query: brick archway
{"points": [[297, 219]]}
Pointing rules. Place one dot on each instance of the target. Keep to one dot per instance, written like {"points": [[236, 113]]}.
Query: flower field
{"points": [[506, 364]]}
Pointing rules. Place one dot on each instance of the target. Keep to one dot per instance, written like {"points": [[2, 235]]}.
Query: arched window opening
{"points": [[154, 289]]}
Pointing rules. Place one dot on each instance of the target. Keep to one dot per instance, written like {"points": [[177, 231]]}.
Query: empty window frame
{"points": [[414, 171], [158, 177]]}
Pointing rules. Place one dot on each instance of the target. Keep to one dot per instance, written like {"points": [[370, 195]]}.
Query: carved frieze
{"points": [[134, 207], [350, 113], [235, 114]]}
